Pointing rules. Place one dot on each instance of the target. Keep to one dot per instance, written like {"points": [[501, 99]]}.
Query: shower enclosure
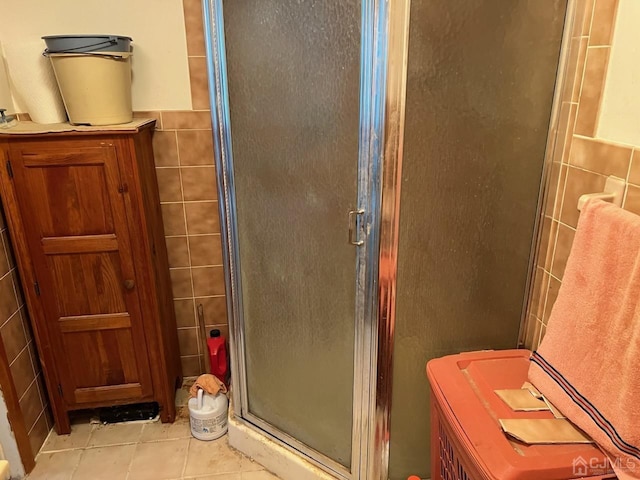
{"points": [[380, 165]]}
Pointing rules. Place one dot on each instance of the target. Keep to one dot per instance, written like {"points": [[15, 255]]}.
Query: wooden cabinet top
{"points": [[32, 129]]}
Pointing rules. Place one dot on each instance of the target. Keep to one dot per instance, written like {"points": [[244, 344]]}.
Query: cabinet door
{"points": [[72, 207]]}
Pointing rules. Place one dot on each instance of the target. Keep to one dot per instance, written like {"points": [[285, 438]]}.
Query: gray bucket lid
{"points": [[87, 43]]}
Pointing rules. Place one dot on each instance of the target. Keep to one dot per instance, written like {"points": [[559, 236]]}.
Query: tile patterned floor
{"points": [[142, 451]]}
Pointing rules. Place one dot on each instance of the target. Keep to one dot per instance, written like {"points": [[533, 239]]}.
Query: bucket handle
{"points": [[104, 43], [200, 398], [113, 55]]}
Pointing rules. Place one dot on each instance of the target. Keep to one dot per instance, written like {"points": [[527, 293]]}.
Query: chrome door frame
{"points": [[553, 146], [370, 412], [384, 57]]}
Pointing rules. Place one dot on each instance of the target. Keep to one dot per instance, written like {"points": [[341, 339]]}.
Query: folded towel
{"points": [[588, 364], [209, 384]]}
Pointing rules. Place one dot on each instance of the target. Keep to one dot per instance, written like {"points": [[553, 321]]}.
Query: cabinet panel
{"points": [[88, 283], [101, 357], [81, 251], [73, 200]]}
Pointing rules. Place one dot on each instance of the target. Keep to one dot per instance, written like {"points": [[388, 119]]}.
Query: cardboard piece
{"points": [[522, 400], [543, 431], [534, 391], [556, 413]]}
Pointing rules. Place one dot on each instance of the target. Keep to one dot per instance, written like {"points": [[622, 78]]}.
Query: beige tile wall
{"points": [[581, 161], [16, 334], [183, 146], [186, 180]]}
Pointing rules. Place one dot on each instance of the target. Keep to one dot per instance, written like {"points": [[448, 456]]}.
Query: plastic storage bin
{"points": [[468, 444]]}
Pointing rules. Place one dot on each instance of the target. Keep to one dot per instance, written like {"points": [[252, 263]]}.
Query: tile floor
{"points": [[142, 451]]}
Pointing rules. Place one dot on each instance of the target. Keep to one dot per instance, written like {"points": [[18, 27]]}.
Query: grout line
{"points": [[565, 225], [553, 276], [43, 400], [546, 294], [626, 187], [10, 317], [31, 345], [542, 327], [93, 429], [186, 229], [34, 424], [188, 201], [605, 141], [4, 233], [23, 321], [577, 167], [193, 235], [186, 457], [193, 267], [46, 439], [200, 296], [186, 129], [15, 293], [204, 165], [28, 388], [581, 79], [593, 11], [133, 454], [75, 468], [553, 257], [20, 353], [8, 273]]}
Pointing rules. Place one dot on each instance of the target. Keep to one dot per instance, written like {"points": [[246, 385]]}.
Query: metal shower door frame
{"points": [[370, 409], [384, 57]]}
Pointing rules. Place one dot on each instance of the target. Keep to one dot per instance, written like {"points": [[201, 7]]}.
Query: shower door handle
{"points": [[353, 227]]}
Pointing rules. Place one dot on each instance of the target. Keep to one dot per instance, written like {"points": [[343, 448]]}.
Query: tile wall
{"points": [[183, 148], [16, 334], [581, 160], [187, 184]]}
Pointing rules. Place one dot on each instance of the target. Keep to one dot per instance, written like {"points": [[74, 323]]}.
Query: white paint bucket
{"points": [[208, 415]]}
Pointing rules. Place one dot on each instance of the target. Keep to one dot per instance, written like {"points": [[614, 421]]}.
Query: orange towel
{"points": [[588, 364], [209, 384]]}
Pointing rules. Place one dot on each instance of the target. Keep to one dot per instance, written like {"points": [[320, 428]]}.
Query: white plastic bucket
{"points": [[95, 86], [208, 415]]}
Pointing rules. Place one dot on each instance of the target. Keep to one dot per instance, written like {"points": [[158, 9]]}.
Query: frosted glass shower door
{"points": [[480, 85], [293, 78]]}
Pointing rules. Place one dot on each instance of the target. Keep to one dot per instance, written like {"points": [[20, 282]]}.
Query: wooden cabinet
{"points": [[84, 217]]}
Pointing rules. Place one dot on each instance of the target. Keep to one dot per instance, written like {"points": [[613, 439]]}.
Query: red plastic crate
{"points": [[467, 442]]}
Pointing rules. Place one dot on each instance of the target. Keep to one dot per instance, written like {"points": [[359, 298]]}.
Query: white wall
{"points": [[620, 111], [5, 94], [8, 442], [160, 65]]}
